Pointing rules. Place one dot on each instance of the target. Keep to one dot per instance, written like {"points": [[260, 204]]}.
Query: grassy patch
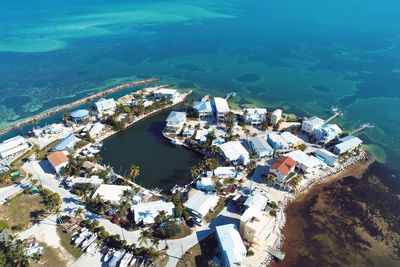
{"points": [[185, 231], [18, 210], [66, 243], [51, 257], [200, 254], [211, 215]]}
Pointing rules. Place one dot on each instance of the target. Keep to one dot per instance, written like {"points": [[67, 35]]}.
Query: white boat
{"points": [[109, 254], [91, 248], [93, 150], [81, 237], [116, 257], [126, 260], [176, 141], [89, 240], [77, 234], [133, 262]]}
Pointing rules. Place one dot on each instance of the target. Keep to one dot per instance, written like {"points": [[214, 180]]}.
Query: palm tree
{"points": [[246, 132], [155, 242], [295, 182], [271, 180], [127, 195], [78, 212], [215, 150], [134, 171], [210, 163], [144, 236]]}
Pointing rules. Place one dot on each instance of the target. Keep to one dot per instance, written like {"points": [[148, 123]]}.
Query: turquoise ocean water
{"points": [[302, 56]]}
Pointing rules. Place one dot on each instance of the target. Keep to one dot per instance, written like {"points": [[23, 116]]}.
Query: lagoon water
{"points": [[302, 56]]}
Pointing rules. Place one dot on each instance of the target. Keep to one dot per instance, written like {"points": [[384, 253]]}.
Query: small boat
{"points": [[91, 248], [116, 257], [81, 237], [176, 141], [133, 262], [109, 254], [89, 240], [93, 150], [78, 233], [126, 260]]}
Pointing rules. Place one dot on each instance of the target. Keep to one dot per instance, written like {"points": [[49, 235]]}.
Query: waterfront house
{"points": [[205, 184], [188, 132], [327, 133], [175, 121], [221, 108], [200, 203], [255, 226], [326, 156], [347, 144], [277, 142], [105, 106], [96, 129], [231, 245], [305, 162], [94, 180], [234, 151], [110, 192], [166, 93], [282, 167], [203, 109], [276, 116], [79, 115], [293, 141], [58, 160], [225, 172], [260, 146], [13, 146], [201, 136], [309, 125], [254, 116], [146, 212], [67, 143], [257, 199]]}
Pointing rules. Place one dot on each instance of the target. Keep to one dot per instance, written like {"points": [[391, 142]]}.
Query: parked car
{"points": [[197, 221]]}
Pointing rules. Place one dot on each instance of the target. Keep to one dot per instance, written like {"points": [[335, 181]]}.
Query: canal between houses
{"points": [[161, 164]]}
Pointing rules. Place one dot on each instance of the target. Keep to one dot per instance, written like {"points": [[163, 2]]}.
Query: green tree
{"points": [[145, 235], [134, 171], [78, 212]]}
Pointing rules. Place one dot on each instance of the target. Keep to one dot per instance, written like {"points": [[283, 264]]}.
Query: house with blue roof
{"points": [[175, 121], [231, 244], [203, 109], [260, 146], [79, 115], [67, 143]]}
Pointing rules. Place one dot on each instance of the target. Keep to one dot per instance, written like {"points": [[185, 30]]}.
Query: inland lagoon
{"points": [[161, 163]]}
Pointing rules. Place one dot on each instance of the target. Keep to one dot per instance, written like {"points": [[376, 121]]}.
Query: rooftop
{"points": [[203, 106], [201, 202], [231, 243], [176, 116], [221, 105], [79, 113], [111, 192], [291, 138], [258, 199], [57, 158], [166, 91], [256, 111], [283, 165], [259, 143], [147, 211], [233, 150], [315, 121], [304, 159], [67, 142]]}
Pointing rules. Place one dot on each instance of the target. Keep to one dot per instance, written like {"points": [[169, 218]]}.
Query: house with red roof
{"points": [[283, 169]]}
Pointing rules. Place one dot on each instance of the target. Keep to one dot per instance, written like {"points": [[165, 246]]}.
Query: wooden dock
{"points": [[76, 103], [276, 253]]}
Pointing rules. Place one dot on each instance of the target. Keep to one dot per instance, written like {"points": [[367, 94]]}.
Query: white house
{"points": [[175, 121], [305, 162], [94, 180], [147, 211], [96, 129], [203, 109], [112, 193], [205, 184], [327, 133], [347, 144], [276, 141], [13, 146], [254, 116], [292, 140], [311, 124], [258, 199], [276, 116], [166, 93], [327, 157], [234, 151], [225, 172], [221, 108], [201, 203], [231, 244], [105, 106]]}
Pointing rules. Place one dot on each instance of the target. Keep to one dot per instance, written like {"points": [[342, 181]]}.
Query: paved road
{"points": [[7, 192]]}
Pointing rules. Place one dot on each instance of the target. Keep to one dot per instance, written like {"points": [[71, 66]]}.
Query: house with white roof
{"points": [[231, 244], [201, 135], [203, 109], [276, 116], [94, 180], [175, 121], [13, 146], [347, 144], [67, 143], [105, 106], [254, 226], [257, 199], [201, 203], [226, 172], [305, 162], [221, 108], [205, 184], [234, 151], [261, 147], [254, 116], [311, 124], [146, 212], [292, 140], [96, 129], [327, 133], [276, 141], [166, 93], [110, 192], [326, 156]]}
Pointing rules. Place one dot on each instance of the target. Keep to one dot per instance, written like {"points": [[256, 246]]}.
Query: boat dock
{"points": [[276, 253]]}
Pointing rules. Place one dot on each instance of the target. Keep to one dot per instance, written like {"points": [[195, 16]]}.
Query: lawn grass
{"points": [[200, 254], [51, 257], [18, 210], [211, 215], [185, 231], [66, 243]]}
